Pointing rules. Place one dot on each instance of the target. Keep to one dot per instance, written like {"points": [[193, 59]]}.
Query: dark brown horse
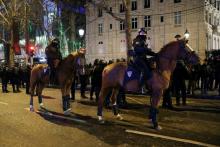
{"points": [[113, 77], [65, 75]]}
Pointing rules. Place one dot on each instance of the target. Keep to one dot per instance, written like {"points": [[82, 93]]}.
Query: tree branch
{"points": [[106, 9]]}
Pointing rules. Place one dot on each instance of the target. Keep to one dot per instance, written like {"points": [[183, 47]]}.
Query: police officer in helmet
{"points": [[141, 50], [54, 57]]}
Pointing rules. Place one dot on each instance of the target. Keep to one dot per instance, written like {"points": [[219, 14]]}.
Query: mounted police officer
{"points": [[53, 57], [141, 50]]}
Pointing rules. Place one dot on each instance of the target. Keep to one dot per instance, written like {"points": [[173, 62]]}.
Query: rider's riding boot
{"points": [[147, 73]]}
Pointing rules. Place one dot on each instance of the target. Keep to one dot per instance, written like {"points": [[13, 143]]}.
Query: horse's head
{"points": [[81, 52], [186, 52]]}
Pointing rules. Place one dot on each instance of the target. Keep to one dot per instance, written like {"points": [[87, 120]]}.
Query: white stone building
{"points": [[105, 36]]}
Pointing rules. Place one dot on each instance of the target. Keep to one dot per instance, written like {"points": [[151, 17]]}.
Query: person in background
{"points": [[81, 72], [5, 79]]}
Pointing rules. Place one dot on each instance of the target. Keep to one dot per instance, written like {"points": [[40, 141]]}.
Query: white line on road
{"points": [[3, 103], [139, 102], [171, 138]]}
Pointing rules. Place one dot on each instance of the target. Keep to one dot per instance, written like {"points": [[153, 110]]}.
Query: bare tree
{"points": [[15, 15]]}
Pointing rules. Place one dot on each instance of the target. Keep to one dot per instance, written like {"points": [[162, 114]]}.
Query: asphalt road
{"points": [[197, 124]]}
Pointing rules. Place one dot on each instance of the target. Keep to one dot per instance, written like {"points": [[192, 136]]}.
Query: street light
{"points": [[81, 32], [186, 34]]}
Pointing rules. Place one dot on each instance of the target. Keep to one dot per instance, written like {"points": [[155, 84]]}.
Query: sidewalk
{"points": [[210, 94]]}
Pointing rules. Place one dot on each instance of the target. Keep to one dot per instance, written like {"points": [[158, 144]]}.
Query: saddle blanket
{"points": [[131, 74]]}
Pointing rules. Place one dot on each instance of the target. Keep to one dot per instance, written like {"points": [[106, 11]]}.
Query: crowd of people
{"points": [[17, 76]]}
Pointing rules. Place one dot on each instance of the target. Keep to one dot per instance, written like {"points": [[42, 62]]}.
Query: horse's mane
{"points": [[165, 47]]}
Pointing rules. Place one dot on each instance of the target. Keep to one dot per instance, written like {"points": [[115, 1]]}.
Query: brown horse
{"points": [[113, 77], [65, 75]]}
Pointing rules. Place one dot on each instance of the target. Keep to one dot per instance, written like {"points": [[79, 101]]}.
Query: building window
{"points": [[146, 3], [134, 5], [122, 8], [218, 44], [177, 1], [99, 12], [218, 5], [206, 16], [161, 1], [110, 26], [177, 18], [100, 28], [161, 19], [147, 21], [122, 25], [134, 23], [210, 18]]}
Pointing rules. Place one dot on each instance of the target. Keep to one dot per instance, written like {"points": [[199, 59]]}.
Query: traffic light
{"points": [[31, 49]]}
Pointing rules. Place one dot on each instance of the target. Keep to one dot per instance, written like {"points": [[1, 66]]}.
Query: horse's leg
{"points": [[155, 98], [102, 95], [115, 109], [40, 87], [32, 89], [65, 90]]}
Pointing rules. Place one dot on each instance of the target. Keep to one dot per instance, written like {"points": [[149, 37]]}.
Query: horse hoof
{"points": [[158, 127], [100, 119], [119, 117], [41, 107], [101, 122], [67, 112], [31, 108]]}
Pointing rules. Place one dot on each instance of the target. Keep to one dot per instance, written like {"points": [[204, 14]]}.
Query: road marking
{"points": [[139, 102], [171, 138], [59, 116], [3, 103]]}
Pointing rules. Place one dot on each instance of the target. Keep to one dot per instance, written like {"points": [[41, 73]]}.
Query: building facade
{"points": [[163, 19]]}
